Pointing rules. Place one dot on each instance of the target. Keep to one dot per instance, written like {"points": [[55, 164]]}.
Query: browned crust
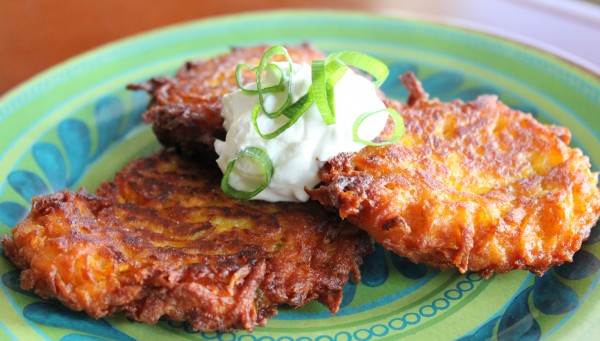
{"points": [[185, 111], [473, 185], [162, 240]]}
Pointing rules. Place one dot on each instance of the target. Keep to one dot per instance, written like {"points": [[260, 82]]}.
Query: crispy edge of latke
{"points": [[327, 288], [356, 192]]}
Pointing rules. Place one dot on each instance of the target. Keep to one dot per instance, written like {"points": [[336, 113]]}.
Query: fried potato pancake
{"points": [[162, 240], [185, 111], [474, 185]]}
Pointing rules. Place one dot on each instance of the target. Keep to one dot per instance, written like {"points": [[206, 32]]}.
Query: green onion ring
{"points": [[335, 70], [292, 112], [320, 88], [364, 62], [275, 50], [275, 88], [398, 128], [267, 167]]}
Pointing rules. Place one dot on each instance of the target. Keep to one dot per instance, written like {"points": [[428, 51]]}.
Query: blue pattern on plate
{"points": [[349, 292], [61, 171], [584, 265], [108, 115], [470, 94], [52, 164], [53, 315], [139, 102], [549, 295], [11, 213], [392, 86], [75, 138], [552, 297], [442, 84], [374, 271], [408, 268], [517, 323], [398, 323], [12, 280], [486, 332], [27, 184], [526, 108]]}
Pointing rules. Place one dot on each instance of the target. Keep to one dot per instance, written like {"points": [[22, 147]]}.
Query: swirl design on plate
{"points": [[62, 171], [550, 295]]}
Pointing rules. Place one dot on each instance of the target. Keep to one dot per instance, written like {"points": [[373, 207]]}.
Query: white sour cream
{"points": [[299, 152]]}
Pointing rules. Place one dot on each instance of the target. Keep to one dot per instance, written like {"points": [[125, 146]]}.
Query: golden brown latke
{"points": [[185, 111], [163, 240], [474, 185]]}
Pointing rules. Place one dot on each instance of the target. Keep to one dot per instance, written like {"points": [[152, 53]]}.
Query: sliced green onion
{"points": [[366, 63], [300, 106], [335, 70], [267, 169], [239, 80], [324, 77], [319, 88], [275, 50], [240, 83], [398, 127], [292, 112]]}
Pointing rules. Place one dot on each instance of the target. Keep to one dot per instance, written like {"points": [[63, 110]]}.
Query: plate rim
{"points": [[463, 25], [105, 48]]}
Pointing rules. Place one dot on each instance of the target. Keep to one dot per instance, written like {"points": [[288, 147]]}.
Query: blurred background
{"points": [[35, 35]]}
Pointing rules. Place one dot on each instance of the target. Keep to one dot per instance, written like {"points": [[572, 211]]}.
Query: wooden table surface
{"points": [[37, 34]]}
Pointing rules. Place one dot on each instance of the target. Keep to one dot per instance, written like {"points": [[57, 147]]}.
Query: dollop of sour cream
{"points": [[299, 152]]}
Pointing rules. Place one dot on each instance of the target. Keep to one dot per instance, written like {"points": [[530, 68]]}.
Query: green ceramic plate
{"points": [[75, 125]]}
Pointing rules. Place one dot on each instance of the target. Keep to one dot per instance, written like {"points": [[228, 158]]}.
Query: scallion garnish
{"points": [[398, 127], [319, 88], [335, 70], [264, 61], [292, 112], [364, 62], [275, 88], [267, 168], [325, 75], [262, 66]]}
